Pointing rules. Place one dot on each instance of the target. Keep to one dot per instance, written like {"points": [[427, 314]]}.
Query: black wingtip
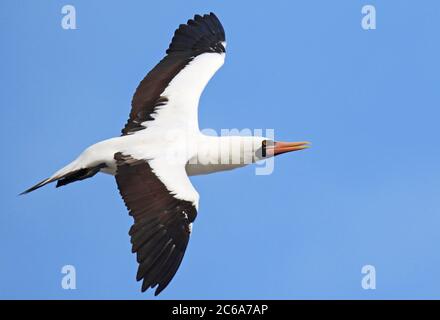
{"points": [[156, 292], [200, 34]]}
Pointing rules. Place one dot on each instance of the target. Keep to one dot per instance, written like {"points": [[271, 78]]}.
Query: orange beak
{"points": [[283, 147]]}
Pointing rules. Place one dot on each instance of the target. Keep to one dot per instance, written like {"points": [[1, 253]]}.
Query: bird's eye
{"points": [[263, 148]]}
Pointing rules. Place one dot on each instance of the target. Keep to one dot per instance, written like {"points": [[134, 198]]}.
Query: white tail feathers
{"points": [[60, 174]]}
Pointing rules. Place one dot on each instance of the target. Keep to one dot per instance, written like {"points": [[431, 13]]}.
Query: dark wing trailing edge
{"points": [[200, 35], [161, 228]]}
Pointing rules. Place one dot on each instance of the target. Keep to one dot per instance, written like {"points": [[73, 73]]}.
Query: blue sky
{"points": [[367, 192]]}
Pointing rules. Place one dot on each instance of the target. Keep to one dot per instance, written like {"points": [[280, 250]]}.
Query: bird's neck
{"points": [[214, 154]]}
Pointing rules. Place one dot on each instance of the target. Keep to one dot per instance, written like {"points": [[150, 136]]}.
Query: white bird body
{"points": [[199, 153]]}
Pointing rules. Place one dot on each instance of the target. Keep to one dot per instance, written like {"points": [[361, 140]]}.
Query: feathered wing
{"points": [[158, 195], [175, 84], [162, 218]]}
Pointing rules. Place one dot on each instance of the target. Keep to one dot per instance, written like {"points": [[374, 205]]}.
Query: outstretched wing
{"points": [[162, 216], [170, 93]]}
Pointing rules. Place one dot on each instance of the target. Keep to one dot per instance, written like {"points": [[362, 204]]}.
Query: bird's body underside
{"points": [[161, 145]]}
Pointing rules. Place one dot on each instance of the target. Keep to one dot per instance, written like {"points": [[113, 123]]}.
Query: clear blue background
{"points": [[366, 193]]}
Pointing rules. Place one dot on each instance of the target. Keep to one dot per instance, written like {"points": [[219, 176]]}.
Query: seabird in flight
{"points": [[161, 145]]}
